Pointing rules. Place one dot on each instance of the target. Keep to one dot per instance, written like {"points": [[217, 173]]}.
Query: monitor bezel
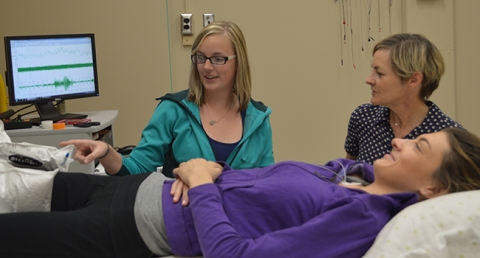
{"points": [[9, 73]]}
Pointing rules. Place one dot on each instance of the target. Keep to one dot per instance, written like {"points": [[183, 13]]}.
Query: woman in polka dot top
{"points": [[406, 69]]}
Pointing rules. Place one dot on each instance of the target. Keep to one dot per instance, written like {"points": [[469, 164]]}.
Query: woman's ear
{"points": [[416, 79], [431, 191]]}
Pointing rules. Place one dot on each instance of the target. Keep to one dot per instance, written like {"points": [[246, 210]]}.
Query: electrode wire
{"points": [[351, 33], [390, 17], [368, 20], [361, 24], [379, 27]]}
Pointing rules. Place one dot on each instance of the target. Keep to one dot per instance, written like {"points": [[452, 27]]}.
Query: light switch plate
{"points": [[208, 18]]}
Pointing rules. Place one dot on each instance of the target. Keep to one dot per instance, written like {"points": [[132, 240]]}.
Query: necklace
{"points": [[416, 117], [213, 122]]}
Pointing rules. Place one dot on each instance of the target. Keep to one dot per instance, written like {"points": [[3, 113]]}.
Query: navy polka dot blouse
{"points": [[370, 135]]}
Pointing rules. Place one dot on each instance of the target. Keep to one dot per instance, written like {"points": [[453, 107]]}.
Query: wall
{"points": [[467, 63], [296, 52], [132, 51], [296, 49]]}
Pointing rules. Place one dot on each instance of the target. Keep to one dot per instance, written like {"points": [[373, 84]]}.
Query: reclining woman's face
{"points": [[411, 163]]}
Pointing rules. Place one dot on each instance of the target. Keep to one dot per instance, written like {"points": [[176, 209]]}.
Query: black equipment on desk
{"points": [[10, 125], [7, 114], [17, 125]]}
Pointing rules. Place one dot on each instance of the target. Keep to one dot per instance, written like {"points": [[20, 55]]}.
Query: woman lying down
{"points": [[290, 209]]}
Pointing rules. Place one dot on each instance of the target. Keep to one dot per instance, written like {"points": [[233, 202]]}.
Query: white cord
{"points": [[344, 171], [335, 173]]}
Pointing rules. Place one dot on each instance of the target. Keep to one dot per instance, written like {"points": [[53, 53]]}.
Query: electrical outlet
{"points": [[208, 18], [186, 24]]}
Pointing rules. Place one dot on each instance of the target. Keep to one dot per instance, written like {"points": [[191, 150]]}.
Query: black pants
{"points": [[92, 216]]}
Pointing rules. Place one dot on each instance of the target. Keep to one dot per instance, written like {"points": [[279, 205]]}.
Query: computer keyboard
{"points": [[37, 121], [17, 125]]}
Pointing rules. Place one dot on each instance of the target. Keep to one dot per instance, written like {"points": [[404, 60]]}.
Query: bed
{"points": [[446, 226]]}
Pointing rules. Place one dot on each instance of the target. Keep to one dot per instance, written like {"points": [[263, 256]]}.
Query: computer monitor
{"points": [[46, 68]]}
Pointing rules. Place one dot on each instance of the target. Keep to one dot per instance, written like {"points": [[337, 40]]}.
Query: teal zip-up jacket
{"points": [[175, 134]]}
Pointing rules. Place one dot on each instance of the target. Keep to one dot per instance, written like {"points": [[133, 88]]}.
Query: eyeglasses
{"points": [[216, 60]]}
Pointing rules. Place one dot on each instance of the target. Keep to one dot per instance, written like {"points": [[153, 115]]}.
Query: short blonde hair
{"points": [[243, 82], [410, 53]]}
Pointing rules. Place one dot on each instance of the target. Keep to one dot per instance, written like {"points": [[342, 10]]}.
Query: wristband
{"points": [[106, 153]]}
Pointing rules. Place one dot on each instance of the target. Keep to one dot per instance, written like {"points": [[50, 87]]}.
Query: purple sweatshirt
{"points": [[287, 209]]}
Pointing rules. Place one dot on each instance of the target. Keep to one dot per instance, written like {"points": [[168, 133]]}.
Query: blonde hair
{"points": [[243, 82], [410, 53]]}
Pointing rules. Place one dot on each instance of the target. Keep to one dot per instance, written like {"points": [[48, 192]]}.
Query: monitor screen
{"points": [[46, 68]]}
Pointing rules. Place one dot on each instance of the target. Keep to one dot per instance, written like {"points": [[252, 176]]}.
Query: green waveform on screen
{"points": [[56, 51], [65, 83], [53, 67]]}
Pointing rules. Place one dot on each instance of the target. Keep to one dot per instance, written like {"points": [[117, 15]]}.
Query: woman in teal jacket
{"points": [[215, 119], [175, 134]]}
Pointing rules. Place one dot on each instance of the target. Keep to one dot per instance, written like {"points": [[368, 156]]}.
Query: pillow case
{"points": [[446, 226]]}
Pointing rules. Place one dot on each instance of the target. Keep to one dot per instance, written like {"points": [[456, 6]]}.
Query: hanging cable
{"points": [[390, 17], [341, 36], [379, 27], [344, 41], [368, 20], [351, 33], [361, 24]]}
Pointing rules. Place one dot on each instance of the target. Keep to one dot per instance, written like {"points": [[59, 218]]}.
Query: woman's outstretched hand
{"points": [[87, 150]]}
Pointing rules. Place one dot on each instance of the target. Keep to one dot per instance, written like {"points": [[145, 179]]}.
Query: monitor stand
{"points": [[47, 111]]}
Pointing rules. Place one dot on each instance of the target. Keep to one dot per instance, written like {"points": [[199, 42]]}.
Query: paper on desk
{"points": [[27, 172], [99, 170]]}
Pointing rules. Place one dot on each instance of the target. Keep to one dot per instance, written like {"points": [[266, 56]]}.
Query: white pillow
{"points": [[446, 226], [25, 189]]}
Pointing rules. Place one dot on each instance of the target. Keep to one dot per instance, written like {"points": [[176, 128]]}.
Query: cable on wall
{"points": [[390, 17], [368, 21], [342, 29], [169, 50], [379, 26], [361, 25], [347, 11], [351, 33]]}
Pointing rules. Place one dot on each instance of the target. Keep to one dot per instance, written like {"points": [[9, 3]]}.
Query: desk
{"points": [[50, 137]]}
